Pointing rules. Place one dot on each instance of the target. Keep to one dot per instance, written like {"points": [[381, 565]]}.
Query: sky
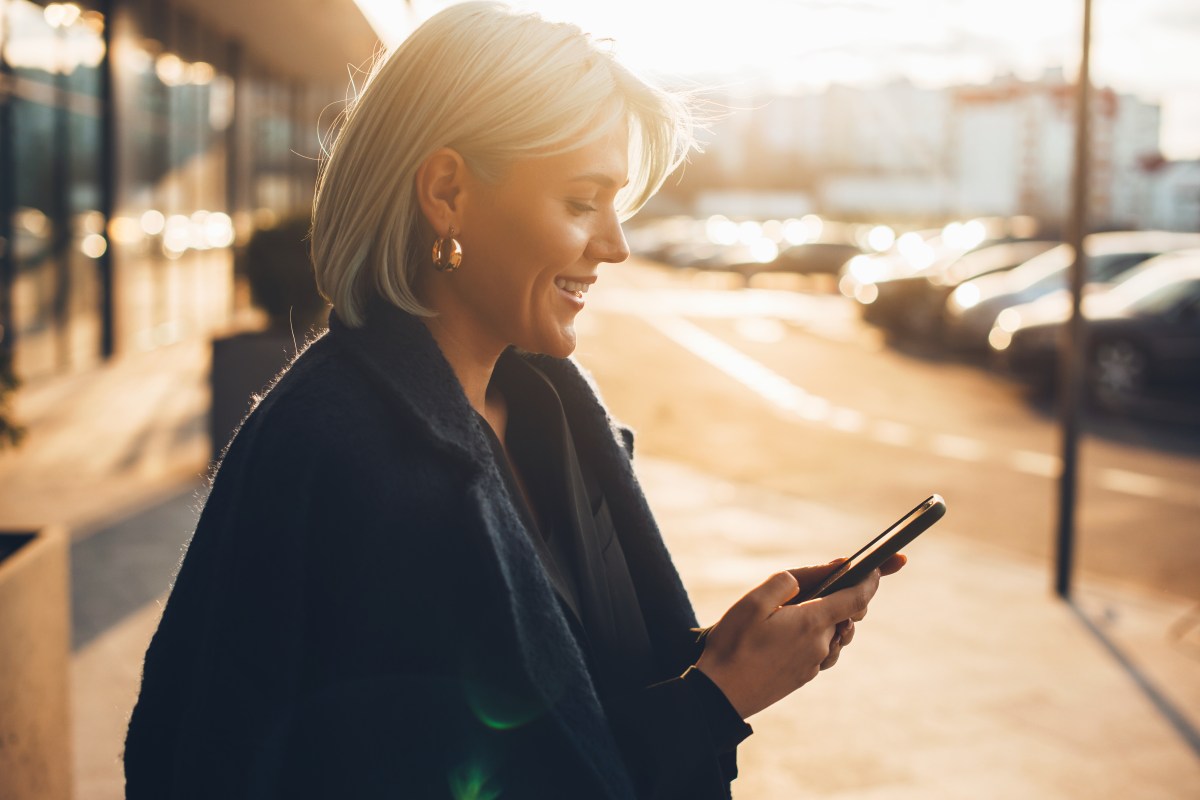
{"points": [[1150, 48]]}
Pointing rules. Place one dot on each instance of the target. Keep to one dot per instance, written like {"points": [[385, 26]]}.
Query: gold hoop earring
{"points": [[447, 252]]}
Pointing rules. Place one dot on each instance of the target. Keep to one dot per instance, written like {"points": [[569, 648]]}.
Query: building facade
{"points": [[140, 141], [903, 152]]}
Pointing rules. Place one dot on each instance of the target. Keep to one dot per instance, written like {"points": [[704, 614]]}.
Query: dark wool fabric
{"points": [[361, 614]]}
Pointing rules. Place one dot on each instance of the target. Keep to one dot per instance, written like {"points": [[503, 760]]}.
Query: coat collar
{"points": [[400, 354], [393, 346]]}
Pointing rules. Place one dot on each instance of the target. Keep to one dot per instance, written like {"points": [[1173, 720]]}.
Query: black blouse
{"points": [[573, 534]]}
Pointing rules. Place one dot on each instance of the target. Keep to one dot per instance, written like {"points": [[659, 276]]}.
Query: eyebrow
{"points": [[599, 179]]}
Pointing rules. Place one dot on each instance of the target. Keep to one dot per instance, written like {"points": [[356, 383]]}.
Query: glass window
{"points": [[32, 50], [174, 99]]}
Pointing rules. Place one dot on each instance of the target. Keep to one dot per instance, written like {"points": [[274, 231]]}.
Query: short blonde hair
{"points": [[496, 85]]}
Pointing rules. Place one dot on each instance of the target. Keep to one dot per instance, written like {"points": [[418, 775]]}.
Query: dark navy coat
{"points": [[361, 614]]}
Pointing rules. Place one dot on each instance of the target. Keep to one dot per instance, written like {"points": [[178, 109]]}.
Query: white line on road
{"points": [[791, 399], [1033, 463], [893, 433], [1119, 480], [770, 385], [958, 447], [847, 420]]}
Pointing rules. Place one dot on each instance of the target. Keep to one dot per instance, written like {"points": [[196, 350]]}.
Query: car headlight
{"points": [[999, 339], [1009, 320], [964, 297], [866, 270], [866, 293]]}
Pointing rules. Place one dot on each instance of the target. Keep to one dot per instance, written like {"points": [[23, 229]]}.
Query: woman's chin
{"points": [[560, 344]]}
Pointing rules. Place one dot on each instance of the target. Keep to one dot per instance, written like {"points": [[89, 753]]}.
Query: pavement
{"points": [[969, 679]]}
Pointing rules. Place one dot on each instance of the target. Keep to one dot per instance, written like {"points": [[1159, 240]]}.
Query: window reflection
{"points": [[208, 145], [54, 54]]}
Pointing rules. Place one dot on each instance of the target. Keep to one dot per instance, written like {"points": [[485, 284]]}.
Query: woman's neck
{"points": [[473, 365]]}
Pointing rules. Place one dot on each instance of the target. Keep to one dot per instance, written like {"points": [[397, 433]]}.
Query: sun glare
{"points": [[798, 45]]}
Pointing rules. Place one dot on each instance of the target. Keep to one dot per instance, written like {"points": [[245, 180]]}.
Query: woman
{"points": [[425, 568]]}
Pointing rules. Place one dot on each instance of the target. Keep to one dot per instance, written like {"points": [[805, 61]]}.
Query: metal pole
{"points": [[1072, 346], [8, 191], [108, 181]]}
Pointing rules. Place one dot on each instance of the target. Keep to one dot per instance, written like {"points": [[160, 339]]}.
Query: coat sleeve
{"points": [[679, 738], [324, 639]]}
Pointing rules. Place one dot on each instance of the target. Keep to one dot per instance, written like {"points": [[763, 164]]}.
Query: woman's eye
{"points": [[580, 207]]}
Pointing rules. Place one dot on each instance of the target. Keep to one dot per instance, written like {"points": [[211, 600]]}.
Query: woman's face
{"points": [[532, 246]]}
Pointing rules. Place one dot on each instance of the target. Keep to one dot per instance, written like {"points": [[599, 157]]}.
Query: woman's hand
{"points": [[762, 650]]}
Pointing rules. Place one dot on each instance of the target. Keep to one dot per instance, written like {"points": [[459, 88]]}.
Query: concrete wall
{"points": [[35, 652]]}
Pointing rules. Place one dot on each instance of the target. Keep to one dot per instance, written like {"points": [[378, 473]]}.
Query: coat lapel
{"points": [[402, 359], [665, 606]]}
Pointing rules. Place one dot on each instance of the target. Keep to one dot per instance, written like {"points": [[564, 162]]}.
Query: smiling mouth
{"points": [[577, 288]]}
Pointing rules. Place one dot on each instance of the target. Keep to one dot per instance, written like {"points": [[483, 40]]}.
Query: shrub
{"points": [[278, 266], [10, 432]]}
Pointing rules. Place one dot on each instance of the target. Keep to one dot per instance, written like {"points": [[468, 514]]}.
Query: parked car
{"points": [[912, 252], [707, 256], [1143, 332], [811, 258], [653, 238], [972, 308], [834, 244], [913, 304], [916, 251]]}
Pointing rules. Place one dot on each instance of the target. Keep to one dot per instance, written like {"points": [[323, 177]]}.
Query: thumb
{"points": [[773, 592], [811, 577]]}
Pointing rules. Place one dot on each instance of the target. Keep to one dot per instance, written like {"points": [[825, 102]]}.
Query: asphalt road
{"points": [[788, 389]]}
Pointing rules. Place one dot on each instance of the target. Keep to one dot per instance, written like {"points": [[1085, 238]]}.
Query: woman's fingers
{"points": [[845, 632], [849, 603], [835, 652], [842, 635], [763, 649]]}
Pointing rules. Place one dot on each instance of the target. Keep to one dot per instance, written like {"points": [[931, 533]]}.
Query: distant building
{"points": [[899, 151], [1015, 144], [1172, 200]]}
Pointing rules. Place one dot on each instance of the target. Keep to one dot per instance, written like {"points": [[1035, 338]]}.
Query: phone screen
{"points": [[872, 555]]}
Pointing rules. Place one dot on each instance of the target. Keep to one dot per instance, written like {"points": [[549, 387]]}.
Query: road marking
{"points": [[768, 384], [791, 399], [1032, 463], [760, 315], [1119, 480], [958, 447], [894, 433], [847, 420], [761, 329]]}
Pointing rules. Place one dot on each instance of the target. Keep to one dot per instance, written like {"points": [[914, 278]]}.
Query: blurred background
{"points": [[853, 297]]}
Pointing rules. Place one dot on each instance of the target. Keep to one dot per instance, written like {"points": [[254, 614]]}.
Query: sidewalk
{"points": [[968, 680]]}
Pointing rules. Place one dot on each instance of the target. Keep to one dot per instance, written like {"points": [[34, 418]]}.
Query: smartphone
{"points": [[880, 549]]}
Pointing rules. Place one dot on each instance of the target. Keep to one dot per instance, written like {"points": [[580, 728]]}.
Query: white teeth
{"points": [[571, 286]]}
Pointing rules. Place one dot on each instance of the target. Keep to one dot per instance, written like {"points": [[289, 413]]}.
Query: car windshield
{"points": [[1106, 267], [1100, 269], [1139, 283], [1164, 298], [991, 259], [1043, 266]]}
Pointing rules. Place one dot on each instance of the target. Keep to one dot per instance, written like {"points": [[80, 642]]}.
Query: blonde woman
{"points": [[425, 568]]}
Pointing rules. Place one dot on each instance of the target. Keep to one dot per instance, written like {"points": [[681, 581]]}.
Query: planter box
{"points": [[35, 662], [243, 365]]}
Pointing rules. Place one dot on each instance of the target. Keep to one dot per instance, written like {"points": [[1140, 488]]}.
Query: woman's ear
{"points": [[440, 182]]}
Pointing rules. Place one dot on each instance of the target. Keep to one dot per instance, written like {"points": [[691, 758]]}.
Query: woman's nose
{"points": [[610, 244]]}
